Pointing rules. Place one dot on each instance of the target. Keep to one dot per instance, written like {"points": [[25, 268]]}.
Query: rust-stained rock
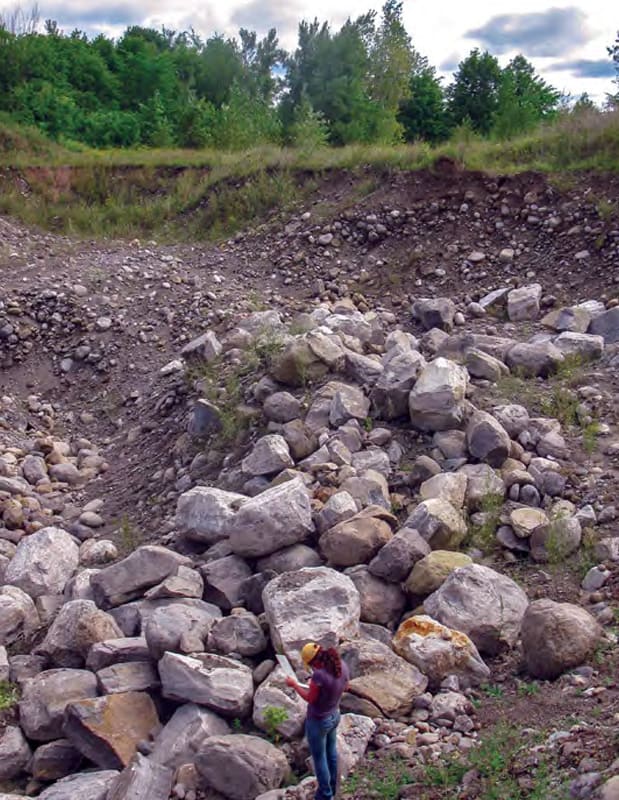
{"points": [[439, 651], [107, 729]]}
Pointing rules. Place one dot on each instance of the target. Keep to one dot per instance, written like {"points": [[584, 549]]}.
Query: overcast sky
{"points": [[566, 42]]}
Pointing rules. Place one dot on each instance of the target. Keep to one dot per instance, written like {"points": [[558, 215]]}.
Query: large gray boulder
{"points": [[523, 303], [580, 346], [606, 325], [275, 693], [45, 697], [43, 562], [539, 359], [117, 651], [487, 440], [358, 539], [224, 579], [14, 752], [275, 518], [482, 482], [439, 651], [436, 402], [557, 637], [382, 603], [130, 578], [390, 393], [77, 626], [179, 625], [204, 513], [142, 779], [380, 677], [439, 523], [297, 556], [482, 603], [394, 561], [182, 737], [18, 615], [83, 785], [270, 454], [133, 676], [221, 684], [237, 633], [348, 402], [353, 737], [435, 312], [54, 760], [311, 604], [241, 767]]}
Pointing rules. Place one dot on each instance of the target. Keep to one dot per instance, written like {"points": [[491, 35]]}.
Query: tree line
{"points": [[363, 83]]}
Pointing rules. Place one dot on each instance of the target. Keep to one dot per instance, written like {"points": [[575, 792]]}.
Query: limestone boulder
{"points": [[539, 359], [524, 303], [241, 767], [482, 603], [276, 518], [525, 521], [82, 785], [557, 637], [14, 752], [354, 734], [130, 578], [269, 455], [77, 626], [237, 633], [487, 440], [580, 346], [381, 677], [435, 312], [438, 651], [482, 482], [274, 693], [142, 779], [432, 570], [224, 579], [358, 539], [204, 512], [348, 402], [182, 737], [107, 730], [389, 395], [296, 556], [43, 562], [179, 625], [311, 604], [54, 760], [221, 684], [394, 561], [555, 541], [18, 615], [607, 326], [45, 697], [450, 486], [382, 603], [439, 523], [436, 402]]}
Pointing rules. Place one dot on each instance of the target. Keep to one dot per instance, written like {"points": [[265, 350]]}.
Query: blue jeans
{"points": [[322, 739]]}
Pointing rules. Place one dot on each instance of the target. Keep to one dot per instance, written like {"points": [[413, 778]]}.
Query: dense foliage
{"points": [[363, 83]]}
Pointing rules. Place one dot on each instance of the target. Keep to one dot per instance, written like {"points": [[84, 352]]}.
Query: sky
{"points": [[565, 42]]}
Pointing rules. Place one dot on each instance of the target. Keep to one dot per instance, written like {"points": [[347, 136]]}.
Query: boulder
{"points": [[205, 347], [130, 578], [524, 521], [82, 785], [606, 325], [439, 523], [311, 604], [482, 603], [45, 697], [513, 418], [436, 402], [179, 625], [117, 651], [281, 407], [132, 676], [241, 767], [482, 365], [238, 633], [580, 346], [435, 312], [221, 684], [204, 513], [270, 454], [353, 737], [14, 752], [43, 562], [223, 581], [142, 779], [572, 319], [557, 637], [523, 303], [394, 561], [487, 440], [450, 486], [54, 760], [77, 626], [482, 482], [18, 615], [556, 540], [187, 583], [539, 359], [297, 364], [381, 677], [368, 489], [438, 651], [382, 603], [348, 402], [274, 693], [107, 730], [358, 539], [300, 439], [296, 556], [389, 395], [180, 739], [432, 570], [274, 519]]}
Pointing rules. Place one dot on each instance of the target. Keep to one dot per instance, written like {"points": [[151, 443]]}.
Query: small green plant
{"points": [[590, 434], [492, 690], [528, 689], [236, 724], [483, 536], [9, 695], [129, 537], [368, 424], [274, 716]]}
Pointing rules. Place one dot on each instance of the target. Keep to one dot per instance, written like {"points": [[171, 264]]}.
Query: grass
{"points": [[207, 194], [483, 536], [9, 695]]}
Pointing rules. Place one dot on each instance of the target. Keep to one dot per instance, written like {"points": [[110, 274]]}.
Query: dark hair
{"points": [[329, 660]]}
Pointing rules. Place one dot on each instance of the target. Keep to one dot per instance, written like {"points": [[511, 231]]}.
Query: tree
{"points": [[391, 60], [423, 115], [474, 94], [613, 52], [524, 99]]}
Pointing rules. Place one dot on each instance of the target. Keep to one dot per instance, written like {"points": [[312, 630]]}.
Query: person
{"points": [[328, 682]]}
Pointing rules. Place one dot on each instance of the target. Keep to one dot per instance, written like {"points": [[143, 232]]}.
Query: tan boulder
{"points": [[432, 570]]}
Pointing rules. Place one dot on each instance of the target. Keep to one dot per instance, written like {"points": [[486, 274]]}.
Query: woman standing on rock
{"points": [[327, 684]]}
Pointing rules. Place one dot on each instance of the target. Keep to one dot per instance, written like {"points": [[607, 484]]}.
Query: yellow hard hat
{"points": [[308, 652]]}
